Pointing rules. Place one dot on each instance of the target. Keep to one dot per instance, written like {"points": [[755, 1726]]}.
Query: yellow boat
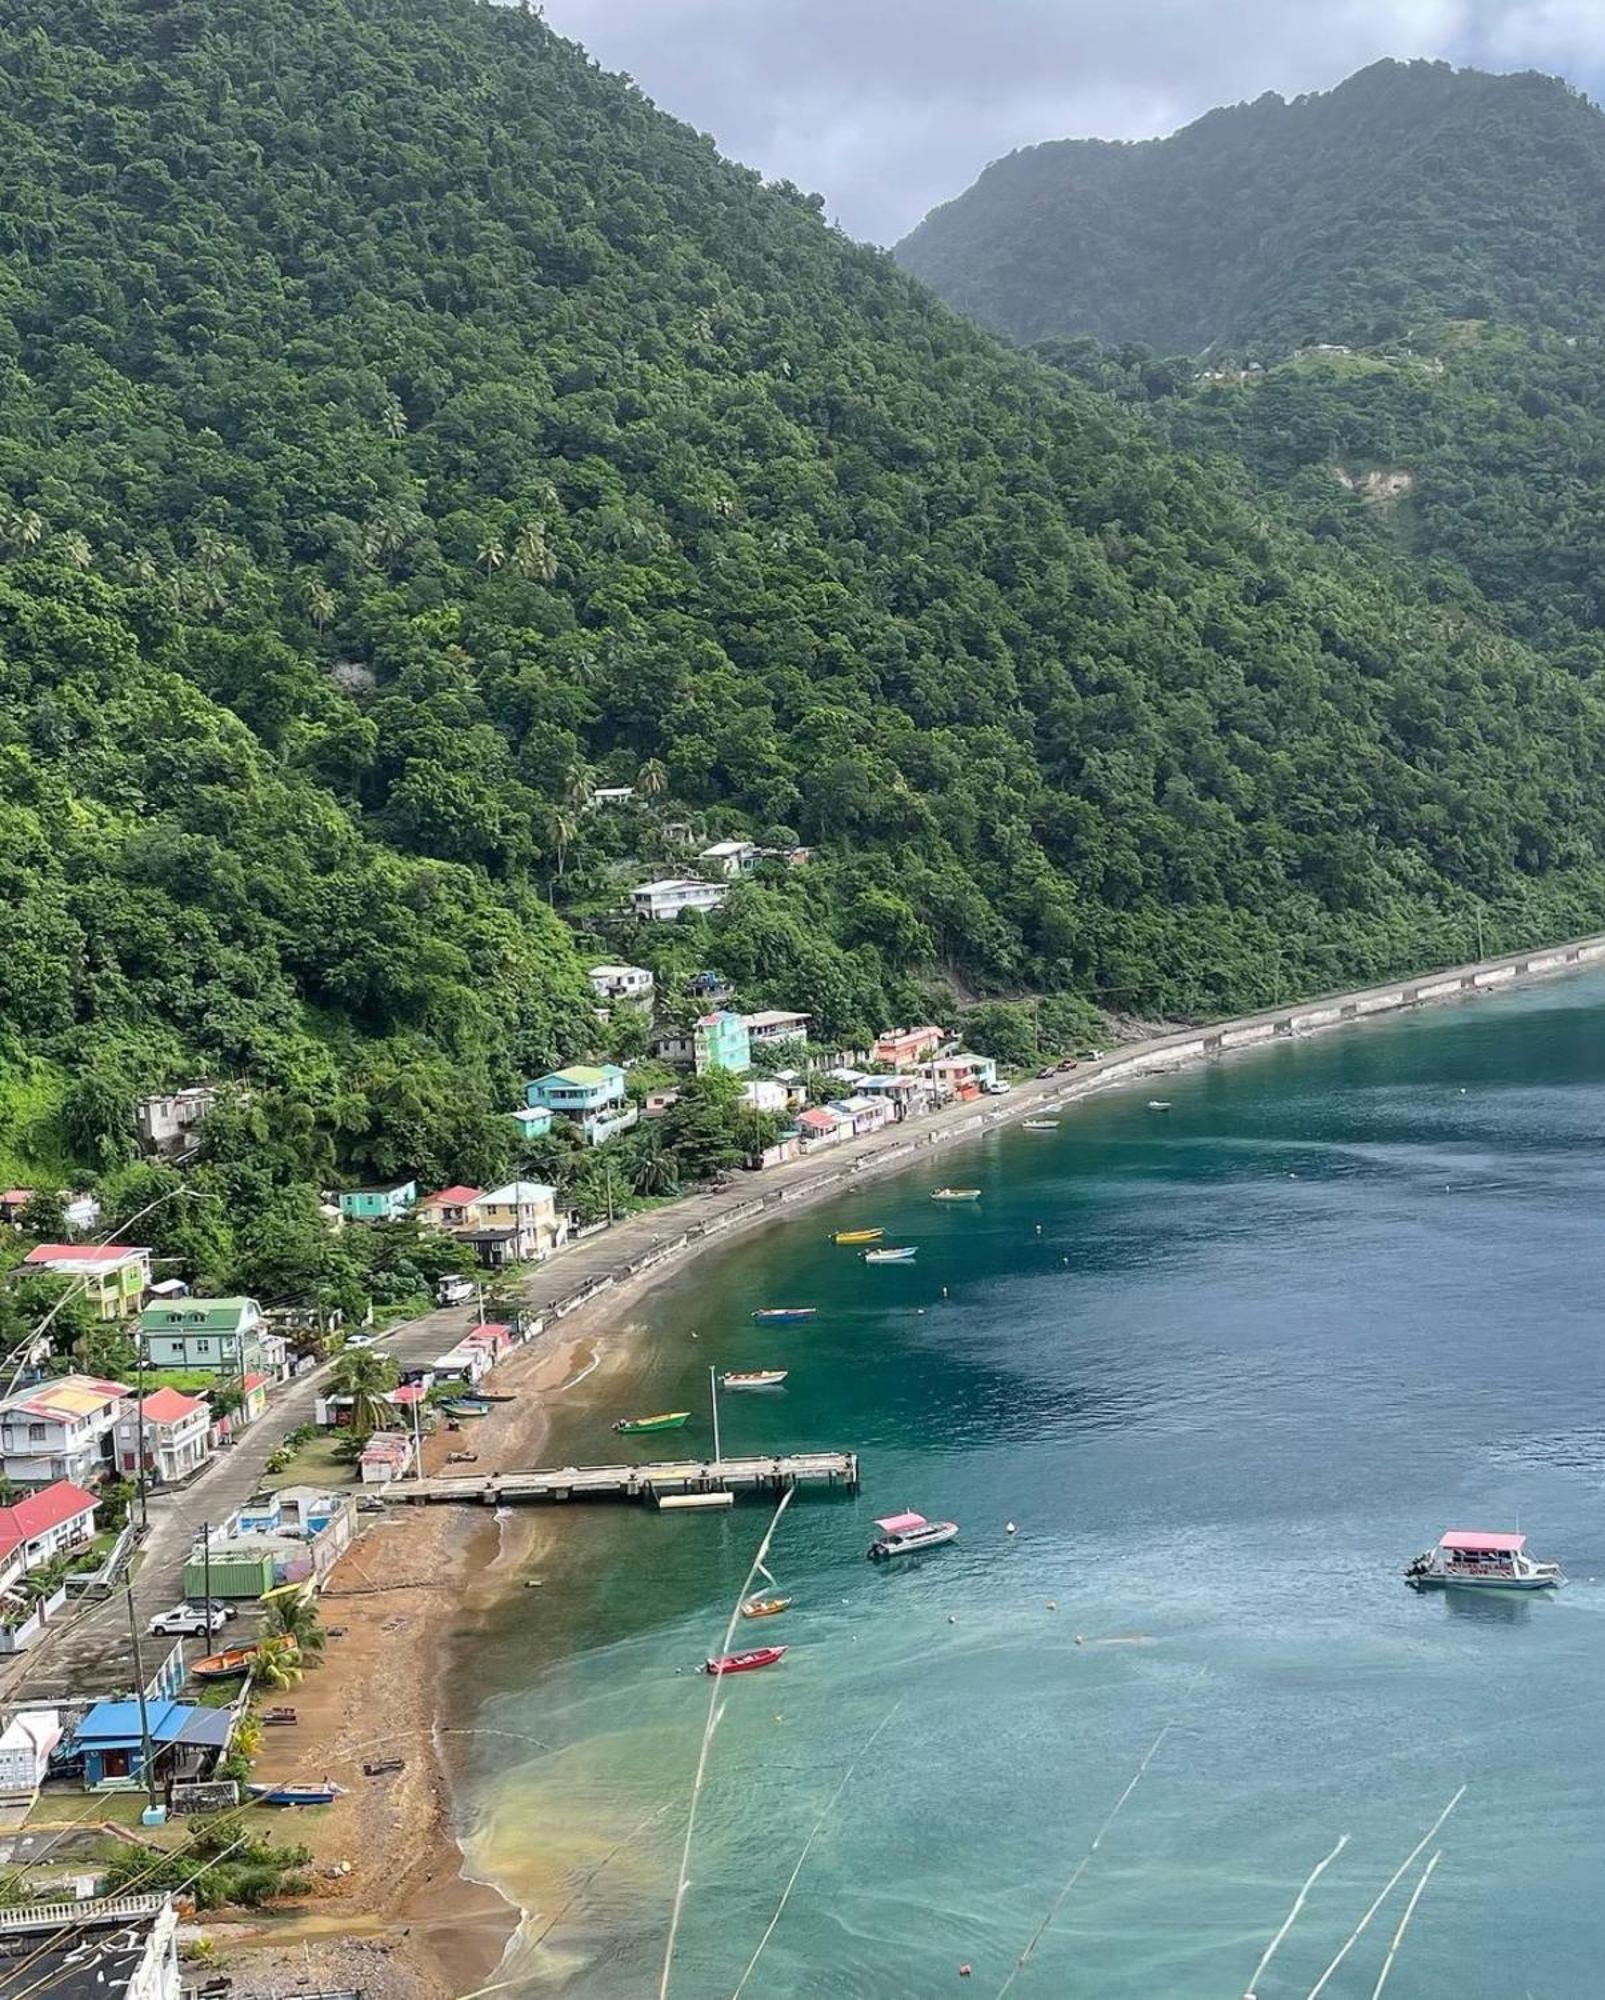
{"points": [[858, 1236], [764, 1607]]}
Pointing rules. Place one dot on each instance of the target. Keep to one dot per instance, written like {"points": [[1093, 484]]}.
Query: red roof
{"points": [[1481, 1538], [409, 1392], [50, 1507], [167, 1406], [83, 1253], [17, 1196], [819, 1121], [452, 1197], [254, 1382]]}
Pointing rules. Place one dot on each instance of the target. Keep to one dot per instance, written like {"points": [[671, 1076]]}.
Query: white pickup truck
{"points": [[186, 1621]]}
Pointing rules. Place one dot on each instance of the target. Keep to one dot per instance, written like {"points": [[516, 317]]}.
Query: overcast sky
{"points": [[887, 107]]}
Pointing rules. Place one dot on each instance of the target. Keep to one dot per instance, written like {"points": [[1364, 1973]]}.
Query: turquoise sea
{"points": [[1226, 1368]]}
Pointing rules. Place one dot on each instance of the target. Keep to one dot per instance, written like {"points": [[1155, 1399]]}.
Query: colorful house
{"points": [[450, 1208], [517, 1223], [378, 1204], [721, 1042], [902, 1048], [534, 1121], [387, 1455], [114, 1276], [176, 1431], [224, 1336], [46, 1524], [186, 1742], [589, 1096], [59, 1430], [820, 1127]]}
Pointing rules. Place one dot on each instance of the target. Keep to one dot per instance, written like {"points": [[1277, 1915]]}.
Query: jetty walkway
{"points": [[834, 1470]]}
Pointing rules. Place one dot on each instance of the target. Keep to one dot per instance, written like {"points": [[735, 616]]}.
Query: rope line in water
{"points": [[1310, 1881], [1398, 1935], [1388, 1888]]}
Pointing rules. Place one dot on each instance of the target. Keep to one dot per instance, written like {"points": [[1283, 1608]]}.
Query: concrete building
{"points": [[903, 1048], [101, 1948], [222, 1336], [43, 1525], [167, 1121], [176, 1430], [591, 1096], [451, 1208], [631, 984], [60, 1430], [661, 902], [776, 1024], [730, 858], [765, 1093], [518, 1223], [720, 1041], [378, 1204], [114, 1277]]}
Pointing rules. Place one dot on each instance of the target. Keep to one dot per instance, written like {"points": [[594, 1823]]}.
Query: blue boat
{"points": [[785, 1312], [296, 1795]]}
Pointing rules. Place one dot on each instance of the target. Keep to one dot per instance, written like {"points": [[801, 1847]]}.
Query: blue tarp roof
{"points": [[113, 1723]]}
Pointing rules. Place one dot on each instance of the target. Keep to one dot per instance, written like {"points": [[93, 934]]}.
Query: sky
{"points": [[887, 107]]}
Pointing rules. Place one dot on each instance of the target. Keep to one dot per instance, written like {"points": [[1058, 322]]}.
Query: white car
{"points": [[184, 1623], [998, 1089]]}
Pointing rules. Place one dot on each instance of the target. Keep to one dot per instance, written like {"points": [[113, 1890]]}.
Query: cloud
{"points": [[887, 107]]}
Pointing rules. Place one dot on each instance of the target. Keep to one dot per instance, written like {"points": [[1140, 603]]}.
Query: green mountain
{"points": [[404, 429], [1412, 189]]}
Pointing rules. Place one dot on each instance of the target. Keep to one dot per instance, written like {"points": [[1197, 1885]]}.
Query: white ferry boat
{"points": [[903, 1534], [1479, 1559]]}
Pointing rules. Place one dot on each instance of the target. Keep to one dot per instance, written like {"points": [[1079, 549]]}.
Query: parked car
{"points": [[998, 1089], [183, 1623], [454, 1291], [219, 1605], [1042, 1074], [359, 1340]]}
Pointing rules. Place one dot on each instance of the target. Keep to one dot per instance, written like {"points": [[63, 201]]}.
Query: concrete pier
{"points": [[833, 1470]]}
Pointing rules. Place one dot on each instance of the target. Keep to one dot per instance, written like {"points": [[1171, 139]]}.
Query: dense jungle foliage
{"points": [[404, 429], [1412, 190]]}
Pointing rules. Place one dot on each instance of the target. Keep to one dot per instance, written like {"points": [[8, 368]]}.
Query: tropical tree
{"points": [[294, 1617], [652, 780], [490, 556], [532, 553], [367, 1378]]}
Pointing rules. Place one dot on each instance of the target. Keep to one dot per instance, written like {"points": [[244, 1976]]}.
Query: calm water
{"points": [[1226, 1369]]}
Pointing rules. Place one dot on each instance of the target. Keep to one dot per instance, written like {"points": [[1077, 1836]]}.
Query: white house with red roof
{"points": [[114, 1276], [450, 1208], [60, 1430], [44, 1525], [177, 1435]]}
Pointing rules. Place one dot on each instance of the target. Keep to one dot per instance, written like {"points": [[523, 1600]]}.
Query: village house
{"points": [[765, 1093], [661, 902], [221, 1336], [796, 1086], [114, 1277], [450, 1208], [657, 1102], [774, 1025], [59, 1430], [43, 1525], [612, 795], [963, 1076], [710, 986], [167, 1120], [676, 1047], [863, 1114], [518, 1224], [589, 1096], [387, 1455], [176, 1430], [186, 1741], [729, 858], [903, 1048], [819, 1127], [534, 1121], [632, 985], [908, 1096], [721, 1042], [378, 1204]]}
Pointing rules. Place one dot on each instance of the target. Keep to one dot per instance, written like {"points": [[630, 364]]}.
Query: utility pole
{"points": [[155, 1813], [1480, 952], [206, 1572], [607, 1171], [139, 1431]]}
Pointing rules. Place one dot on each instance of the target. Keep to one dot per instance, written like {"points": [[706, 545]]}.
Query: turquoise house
{"points": [[534, 1121], [378, 1204], [721, 1042], [589, 1095]]}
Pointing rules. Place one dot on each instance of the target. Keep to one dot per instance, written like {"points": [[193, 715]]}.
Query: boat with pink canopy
{"points": [[903, 1534], [1481, 1559]]}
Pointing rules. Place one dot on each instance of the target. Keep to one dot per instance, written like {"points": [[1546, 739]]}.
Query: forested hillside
{"points": [[1412, 189], [404, 428]]}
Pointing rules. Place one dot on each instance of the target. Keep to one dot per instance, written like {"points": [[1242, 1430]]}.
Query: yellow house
{"points": [[114, 1276]]}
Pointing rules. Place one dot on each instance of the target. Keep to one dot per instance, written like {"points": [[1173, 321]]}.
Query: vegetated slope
{"points": [[403, 425], [1338, 217]]}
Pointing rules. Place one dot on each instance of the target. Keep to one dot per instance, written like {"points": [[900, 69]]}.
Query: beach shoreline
{"points": [[431, 1931]]}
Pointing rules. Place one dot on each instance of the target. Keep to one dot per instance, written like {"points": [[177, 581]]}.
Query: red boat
{"points": [[745, 1663]]}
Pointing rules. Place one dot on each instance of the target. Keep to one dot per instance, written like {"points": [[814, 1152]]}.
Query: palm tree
{"points": [[492, 555], [25, 529], [295, 1618], [367, 1378], [579, 781], [74, 550], [532, 553], [564, 828], [652, 780], [317, 600], [277, 1663]]}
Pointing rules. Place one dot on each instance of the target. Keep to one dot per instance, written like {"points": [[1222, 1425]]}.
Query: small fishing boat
{"points": [[1478, 1559], [1040, 1124], [745, 1663], [858, 1236], [754, 1378], [466, 1406], [765, 1607], [297, 1795], [955, 1194], [665, 1420], [905, 1255], [494, 1396], [1159, 1104], [771, 1313], [904, 1534], [228, 1665]]}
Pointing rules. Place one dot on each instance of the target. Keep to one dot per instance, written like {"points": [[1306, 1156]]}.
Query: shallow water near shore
{"points": [[1226, 1368]]}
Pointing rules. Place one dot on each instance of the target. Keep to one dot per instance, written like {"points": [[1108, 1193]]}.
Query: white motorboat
{"points": [[905, 1534], [1479, 1559]]}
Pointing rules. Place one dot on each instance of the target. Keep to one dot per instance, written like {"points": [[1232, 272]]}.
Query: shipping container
{"points": [[230, 1576]]}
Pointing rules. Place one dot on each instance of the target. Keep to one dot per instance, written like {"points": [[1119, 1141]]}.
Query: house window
{"points": [[37, 1433]]}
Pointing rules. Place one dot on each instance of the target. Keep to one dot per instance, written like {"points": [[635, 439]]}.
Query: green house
{"points": [[224, 1335], [721, 1042], [378, 1204]]}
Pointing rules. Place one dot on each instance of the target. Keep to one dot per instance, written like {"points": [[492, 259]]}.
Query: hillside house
{"points": [[589, 1096], [903, 1048], [661, 902], [378, 1204], [114, 1277], [775, 1024], [168, 1120], [60, 1430], [43, 1525], [518, 1223], [534, 1121], [676, 1047], [765, 1093], [630, 985], [450, 1208], [730, 858], [222, 1336], [720, 1041], [612, 795], [176, 1430]]}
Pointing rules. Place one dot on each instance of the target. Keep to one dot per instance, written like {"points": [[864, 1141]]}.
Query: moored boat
{"points": [[1479, 1559], [904, 1255], [858, 1236], [1159, 1104], [1040, 1124], [904, 1534], [768, 1313], [227, 1665], [297, 1795], [745, 1663], [665, 1420], [955, 1194], [754, 1378], [765, 1607]]}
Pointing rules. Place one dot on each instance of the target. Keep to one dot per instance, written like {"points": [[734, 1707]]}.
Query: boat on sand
{"points": [[227, 1665]]}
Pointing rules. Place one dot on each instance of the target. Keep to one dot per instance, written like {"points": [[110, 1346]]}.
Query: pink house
{"points": [[902, 1048]]}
